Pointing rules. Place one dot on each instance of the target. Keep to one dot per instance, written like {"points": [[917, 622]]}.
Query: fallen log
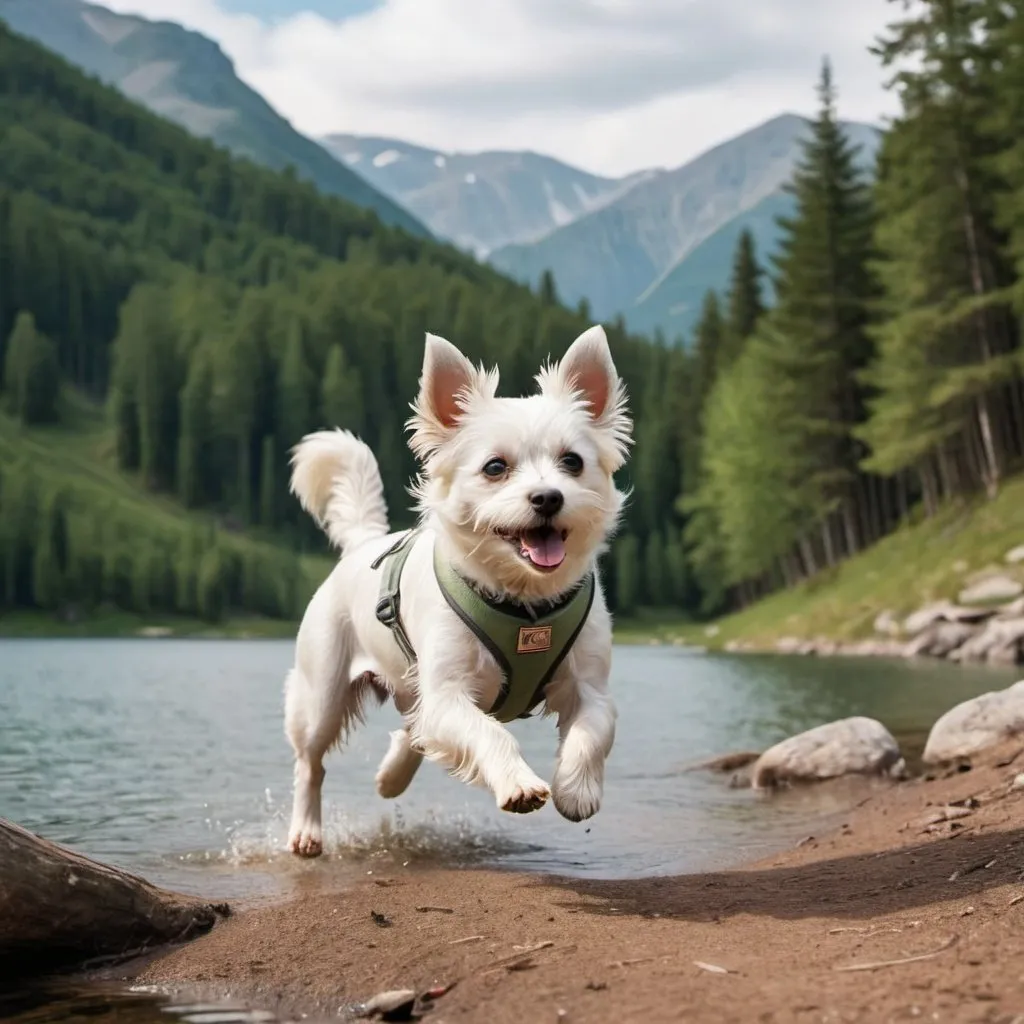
{"points": [[59, 909]]}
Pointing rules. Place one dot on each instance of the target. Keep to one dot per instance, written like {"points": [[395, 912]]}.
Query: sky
{"points": [[611, 86]]}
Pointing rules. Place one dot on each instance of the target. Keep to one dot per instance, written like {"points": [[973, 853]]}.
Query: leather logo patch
{"points": [[533, 639]]}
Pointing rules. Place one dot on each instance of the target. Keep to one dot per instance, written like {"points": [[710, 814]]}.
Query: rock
{"points": [[872, 649], [939, 640], [999, 642], [975, 724], [1015, 555], [992, 588], [727, 762], [887, 624], [943, 611], [851, 746], [789, 644]]}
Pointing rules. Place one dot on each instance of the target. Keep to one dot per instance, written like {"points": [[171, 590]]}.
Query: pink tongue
{"points": [[546, 549]]}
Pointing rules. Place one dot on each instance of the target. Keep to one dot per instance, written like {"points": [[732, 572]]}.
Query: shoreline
{"points": [[914, 906]]}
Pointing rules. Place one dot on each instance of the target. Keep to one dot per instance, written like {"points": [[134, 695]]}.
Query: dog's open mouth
{"points": [[543, 546]]}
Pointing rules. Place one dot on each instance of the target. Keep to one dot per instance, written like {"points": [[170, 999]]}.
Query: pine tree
{"points": [[342, 398], [50, 564], [627, 574], [196, 432], [824, 291], [656, 572], [295, 390], [31, 373], [268, 483], [744, 303]]}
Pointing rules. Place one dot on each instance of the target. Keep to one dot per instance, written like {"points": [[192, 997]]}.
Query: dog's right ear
{"points": [[449, 383]]}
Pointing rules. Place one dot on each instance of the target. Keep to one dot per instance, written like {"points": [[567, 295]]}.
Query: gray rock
{"points": [[999, 642], [939, 640], [1015, 555], [851, 746], [991, 588], [943, 611], [975, 724]]}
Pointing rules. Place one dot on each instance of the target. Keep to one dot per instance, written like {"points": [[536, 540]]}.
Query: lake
{"points": [[168, 757]]}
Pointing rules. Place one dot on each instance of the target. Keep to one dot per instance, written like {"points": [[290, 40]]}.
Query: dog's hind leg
{"points": [[322, 702], [399, 766], [402, 760]]}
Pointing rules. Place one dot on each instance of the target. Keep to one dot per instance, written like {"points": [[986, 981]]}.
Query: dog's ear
{"points": [[586, 372], [449, 383]]}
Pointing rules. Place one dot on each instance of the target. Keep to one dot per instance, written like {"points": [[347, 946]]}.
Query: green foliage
{"points": [[31, 373]]}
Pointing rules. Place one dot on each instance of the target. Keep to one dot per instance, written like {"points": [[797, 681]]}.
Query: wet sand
{"points": [[895, 916]]}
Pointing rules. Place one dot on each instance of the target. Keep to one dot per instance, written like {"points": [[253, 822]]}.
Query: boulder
{"points": [[1015, 555], [939, 640], [851, 746], [943, 611], [999, 642], [996, 588], [976, 724]]}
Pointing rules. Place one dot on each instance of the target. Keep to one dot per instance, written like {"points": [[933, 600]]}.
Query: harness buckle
{"points": [[387, 610]]}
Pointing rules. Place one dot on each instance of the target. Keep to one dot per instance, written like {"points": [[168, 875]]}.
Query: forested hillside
{"points": [[889, 369], [219, 311]]}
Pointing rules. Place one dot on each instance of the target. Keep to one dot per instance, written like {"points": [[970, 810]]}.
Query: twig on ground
{"points": [[877, 964], [436, 910], [630, 963], [712, 968], [468, 938]]}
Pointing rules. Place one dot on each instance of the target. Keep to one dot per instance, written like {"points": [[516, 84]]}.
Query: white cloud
{"points": [[610, 85]]}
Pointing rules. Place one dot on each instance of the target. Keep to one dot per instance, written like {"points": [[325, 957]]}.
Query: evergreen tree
{"points": [[656, 572], [745, 303], [295, 390], [31, 373], [50, 565], [342, 398], [949, 355], [627, 574]]}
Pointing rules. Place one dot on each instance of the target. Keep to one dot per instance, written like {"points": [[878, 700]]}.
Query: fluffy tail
{"points": [[337, 481]]}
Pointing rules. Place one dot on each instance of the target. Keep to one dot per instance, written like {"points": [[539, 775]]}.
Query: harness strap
{"points": [[528, 647], [389, 602]]}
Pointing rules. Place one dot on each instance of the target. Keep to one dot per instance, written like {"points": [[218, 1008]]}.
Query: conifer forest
{"points": [[216, 312]]}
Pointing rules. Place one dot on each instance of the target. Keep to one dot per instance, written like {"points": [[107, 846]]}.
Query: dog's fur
{"points": [[343, 654]]}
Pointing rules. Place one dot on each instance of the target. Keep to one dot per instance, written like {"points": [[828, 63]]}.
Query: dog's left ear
{"points": [[449, 383], [586, 371]]}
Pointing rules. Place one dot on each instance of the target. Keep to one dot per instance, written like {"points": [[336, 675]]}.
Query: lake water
{"points": [[168, 757]]}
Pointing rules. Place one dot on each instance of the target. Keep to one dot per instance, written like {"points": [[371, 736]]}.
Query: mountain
{"points": [[618, 256], [479, 201], [187, 78], [673, 304]]}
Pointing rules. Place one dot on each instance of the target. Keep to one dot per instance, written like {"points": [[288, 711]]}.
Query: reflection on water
{"points": [[107, 1004], [168, 757]]}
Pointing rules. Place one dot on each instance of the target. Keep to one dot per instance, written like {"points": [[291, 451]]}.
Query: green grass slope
{"points": [[78, 457], [928, 560]]}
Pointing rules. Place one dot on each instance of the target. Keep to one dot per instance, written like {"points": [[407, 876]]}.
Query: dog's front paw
{"points": [[577, 795], [526, 793], [306, 841]]}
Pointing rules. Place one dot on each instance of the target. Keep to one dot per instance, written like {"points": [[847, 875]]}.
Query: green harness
{"points": [[528, 648]]}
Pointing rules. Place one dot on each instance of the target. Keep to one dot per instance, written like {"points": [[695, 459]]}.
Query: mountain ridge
{"points": [[186, 77], [479, 200]]}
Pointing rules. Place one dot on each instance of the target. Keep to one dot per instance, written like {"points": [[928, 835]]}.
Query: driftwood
{"points": [[59, 909]]}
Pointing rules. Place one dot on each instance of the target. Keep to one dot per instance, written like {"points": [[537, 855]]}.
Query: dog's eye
{"points": [[495, 468], [572, 463]]}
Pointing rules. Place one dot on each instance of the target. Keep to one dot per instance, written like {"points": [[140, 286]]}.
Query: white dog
{"points": [[490, 607]]}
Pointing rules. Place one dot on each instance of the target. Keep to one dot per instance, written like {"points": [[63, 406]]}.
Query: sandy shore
{"points": [[896, 916]]}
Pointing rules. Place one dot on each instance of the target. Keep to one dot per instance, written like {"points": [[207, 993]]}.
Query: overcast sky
{"points": [[608, 85]]}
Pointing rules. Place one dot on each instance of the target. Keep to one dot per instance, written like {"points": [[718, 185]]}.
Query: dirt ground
{"points": [[897, 916]]}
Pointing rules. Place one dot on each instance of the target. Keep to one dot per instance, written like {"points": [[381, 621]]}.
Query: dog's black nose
{"points": [[547, 503]]}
